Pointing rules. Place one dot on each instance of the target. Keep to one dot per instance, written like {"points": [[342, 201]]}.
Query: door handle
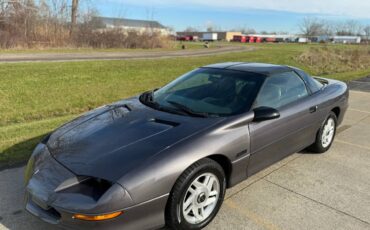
{"points": [[313, 109]]}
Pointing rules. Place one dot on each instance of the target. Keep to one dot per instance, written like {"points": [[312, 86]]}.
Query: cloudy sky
{"points": [[270, 15]]}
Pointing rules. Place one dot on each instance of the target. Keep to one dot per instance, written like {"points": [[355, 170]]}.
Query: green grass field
{"points": [[35, 98]]}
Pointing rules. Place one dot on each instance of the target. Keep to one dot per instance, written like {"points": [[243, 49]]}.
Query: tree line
{"points": [[60, 23], [309, 26]]}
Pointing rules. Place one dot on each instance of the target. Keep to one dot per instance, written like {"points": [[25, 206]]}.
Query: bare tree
{"points": [[191, 29], [74, 16], [248, 31], [367, 30], [210, 28], [367, 33], [50, 23], [350, 27], [312, 27]]}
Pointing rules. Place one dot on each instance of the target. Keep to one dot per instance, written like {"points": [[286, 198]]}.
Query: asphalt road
{"points": [[304, 191], [53, 57], [362, 84]]}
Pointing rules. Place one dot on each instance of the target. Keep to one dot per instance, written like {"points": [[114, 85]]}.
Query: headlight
{"points": [[88, 186], [38, 154], [89, 196]]}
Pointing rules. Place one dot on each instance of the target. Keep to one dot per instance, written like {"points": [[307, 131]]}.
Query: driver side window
{"points": [[281, 89]]}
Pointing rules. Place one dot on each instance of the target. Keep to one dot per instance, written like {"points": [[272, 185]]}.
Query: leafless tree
{"points": [[50, 23], [248, 31], [311, 26], [191, 29], [350, 27], [210, 28], [74, 10], [367, 31]]}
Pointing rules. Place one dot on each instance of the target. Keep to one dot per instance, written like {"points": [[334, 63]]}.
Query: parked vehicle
{"points": [[270, 39], [303, 40], [194, 38], [167, 156], [210, 37], [184, 38], [240, 38]]}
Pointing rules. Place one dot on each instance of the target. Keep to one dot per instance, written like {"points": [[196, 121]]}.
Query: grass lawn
{"points": [[35, 98]]}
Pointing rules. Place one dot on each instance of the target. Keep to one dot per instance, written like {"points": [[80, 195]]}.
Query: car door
{"points": [[294, 130]]}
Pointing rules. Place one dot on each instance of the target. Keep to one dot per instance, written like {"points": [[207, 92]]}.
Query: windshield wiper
{"points": [[187, 110]]}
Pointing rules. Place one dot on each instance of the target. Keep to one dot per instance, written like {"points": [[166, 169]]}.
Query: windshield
{"points": [[207, 92]]}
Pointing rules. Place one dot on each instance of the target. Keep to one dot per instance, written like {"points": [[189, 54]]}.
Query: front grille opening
{"points": [[54, 213], [49, 213]]}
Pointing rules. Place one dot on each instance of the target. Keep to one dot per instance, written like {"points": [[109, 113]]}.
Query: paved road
{"points": [[304, 191], [362, 84], [37, 57]]}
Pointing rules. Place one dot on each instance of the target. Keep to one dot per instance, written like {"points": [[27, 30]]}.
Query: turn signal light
{"points": [[96, 218]]}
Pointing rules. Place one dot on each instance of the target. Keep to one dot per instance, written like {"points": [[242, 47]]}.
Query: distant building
{"points": [[105, 23], [347, 39], [221, 35]]}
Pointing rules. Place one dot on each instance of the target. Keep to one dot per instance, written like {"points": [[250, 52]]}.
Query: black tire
{"points": [[318, 147], [174, 216]]}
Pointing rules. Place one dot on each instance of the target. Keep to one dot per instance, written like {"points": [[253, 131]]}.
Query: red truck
{"points": [[240, 38], [259, 39], [184, 38], [187, 38]]}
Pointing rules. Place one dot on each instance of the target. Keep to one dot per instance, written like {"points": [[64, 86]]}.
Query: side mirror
{"points": [[265, 113]]}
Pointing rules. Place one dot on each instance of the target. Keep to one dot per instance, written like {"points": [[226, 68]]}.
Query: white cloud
{"points": [[348, 8]]}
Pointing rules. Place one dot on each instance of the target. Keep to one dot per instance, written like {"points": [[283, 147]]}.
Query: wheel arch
{"points": [[336, 111], [225, 163]]}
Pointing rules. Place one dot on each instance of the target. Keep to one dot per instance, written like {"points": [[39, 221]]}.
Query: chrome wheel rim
{"points": [[328, 133], [201, 198]]}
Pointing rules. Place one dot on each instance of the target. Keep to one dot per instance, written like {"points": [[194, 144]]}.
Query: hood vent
{"points": [[128, 107], [164, 122]]}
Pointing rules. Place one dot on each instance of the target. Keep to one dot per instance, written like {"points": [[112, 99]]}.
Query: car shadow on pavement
{"points": [[12, 214], [18, 154]]}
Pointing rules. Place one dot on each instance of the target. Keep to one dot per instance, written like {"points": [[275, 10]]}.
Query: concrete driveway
{"points": [[303, 191]]}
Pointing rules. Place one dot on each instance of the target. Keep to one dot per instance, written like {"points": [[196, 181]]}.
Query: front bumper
{"points": [[148, 215], [47, 199]]}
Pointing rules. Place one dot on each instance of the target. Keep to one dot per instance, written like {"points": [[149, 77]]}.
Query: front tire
{"points": [[325, 135], [196, 196]]}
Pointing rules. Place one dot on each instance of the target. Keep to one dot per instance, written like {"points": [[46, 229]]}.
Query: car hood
{"points": [[111, 140]]}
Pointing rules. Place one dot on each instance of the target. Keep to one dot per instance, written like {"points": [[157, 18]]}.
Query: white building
{"points": [[347, 39], [105, 23]]}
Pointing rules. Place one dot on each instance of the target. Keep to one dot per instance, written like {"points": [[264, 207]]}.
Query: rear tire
{"points": [[325, 135], [196, 196]]}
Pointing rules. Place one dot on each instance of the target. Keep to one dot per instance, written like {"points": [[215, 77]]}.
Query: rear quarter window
{"points": [[281, 89], [312, 83]]}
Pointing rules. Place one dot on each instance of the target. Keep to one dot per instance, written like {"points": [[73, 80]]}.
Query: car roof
{"points": [[261, 68]]}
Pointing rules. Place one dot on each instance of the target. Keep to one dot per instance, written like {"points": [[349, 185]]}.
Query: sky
{"points": [[262, 15]]}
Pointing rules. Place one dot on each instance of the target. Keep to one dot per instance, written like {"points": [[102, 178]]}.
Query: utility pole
{"points": [[73, 16]]}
